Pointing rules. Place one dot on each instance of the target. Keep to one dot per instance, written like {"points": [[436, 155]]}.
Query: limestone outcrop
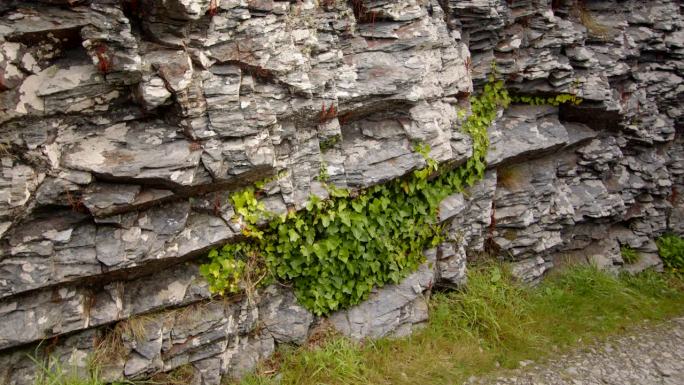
{"points": [[126, 125]]}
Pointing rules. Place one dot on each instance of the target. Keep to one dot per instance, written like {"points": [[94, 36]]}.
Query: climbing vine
{"points": [[334, 251]]}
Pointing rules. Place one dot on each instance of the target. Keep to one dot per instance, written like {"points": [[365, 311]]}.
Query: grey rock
{"points": [[103, 199], [525, 131], [243, 356], [389, 311], [470, 226], [128, 152], [283, 317], [451, 266], [530, 270]]}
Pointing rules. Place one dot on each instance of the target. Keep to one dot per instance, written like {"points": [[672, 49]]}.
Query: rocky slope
{"points": [[125, 126]]}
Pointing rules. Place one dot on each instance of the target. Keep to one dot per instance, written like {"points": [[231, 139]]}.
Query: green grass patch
{"points": [[495, 324], [629, 255], [671, 250]]}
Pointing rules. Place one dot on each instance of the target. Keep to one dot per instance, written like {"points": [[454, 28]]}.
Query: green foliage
{"points": [[671, 250], [323, 175], [483, 112], [262, 183], [227, 267], [335, 251], [629, 255], [551, 100], [51, 372], [246, 204], [329, 143], [495, 322]]}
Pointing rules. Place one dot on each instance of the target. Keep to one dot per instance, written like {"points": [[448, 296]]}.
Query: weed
{"points": [[329, 142], [672, 198], [6, 149], [327, 3], [216, 205], [111, 346], [555, 101], [258, 72], [195, 146], [671, 250], [182, 375], [629, 255], [243, 270], [359, 9], [52, 372], [249, 54], [323, 175], [345, 118], [262, 183], [510, 234]]}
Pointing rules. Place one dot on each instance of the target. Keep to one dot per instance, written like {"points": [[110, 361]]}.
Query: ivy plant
{"points": [[335, 251]]}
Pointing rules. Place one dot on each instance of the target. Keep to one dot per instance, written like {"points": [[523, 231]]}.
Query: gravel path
{"points": [[648, 356]]}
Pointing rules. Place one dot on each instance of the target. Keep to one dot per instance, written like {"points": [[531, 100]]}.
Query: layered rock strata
{"points": [[126, 125]]}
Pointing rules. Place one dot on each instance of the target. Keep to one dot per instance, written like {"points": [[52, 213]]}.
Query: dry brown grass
{"points": [[511, 178], [111, 346], [594, 28]]}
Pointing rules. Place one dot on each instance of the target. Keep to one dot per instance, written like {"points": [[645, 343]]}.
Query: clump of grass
{"points": [[182, 375], [50, 371], [111, 347], [329, 142], [495, 323], [511, 177], [593, 27], [53, 372], [671, 251], [629, 255]]}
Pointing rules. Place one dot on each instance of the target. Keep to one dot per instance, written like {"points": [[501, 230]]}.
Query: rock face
{"points": [[125, 126]]}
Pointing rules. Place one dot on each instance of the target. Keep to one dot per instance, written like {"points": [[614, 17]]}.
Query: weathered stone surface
{"points": [[126, 126], [283, 317], [50, 312], [530, 270], [67, 249], [471, 226], [392, 310], [524, 131], [531, 207]]}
